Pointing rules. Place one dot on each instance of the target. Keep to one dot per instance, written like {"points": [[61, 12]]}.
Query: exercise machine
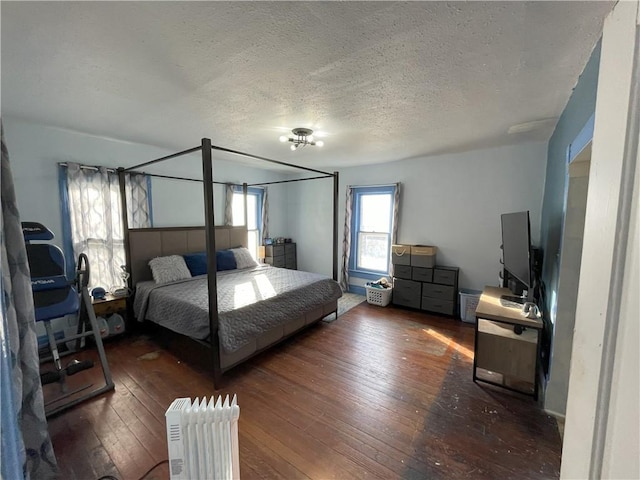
{"points": [[54, 296]]}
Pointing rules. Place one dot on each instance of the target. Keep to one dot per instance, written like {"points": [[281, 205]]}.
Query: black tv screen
{"points": [[516, 245]]}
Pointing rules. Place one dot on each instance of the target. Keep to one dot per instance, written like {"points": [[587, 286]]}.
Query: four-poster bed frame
{"points": [[193, 237]]}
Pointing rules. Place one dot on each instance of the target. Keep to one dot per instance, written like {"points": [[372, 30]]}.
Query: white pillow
{"points": [[169, 269], [243, 258]]}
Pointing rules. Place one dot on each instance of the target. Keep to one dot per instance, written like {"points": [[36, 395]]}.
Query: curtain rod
{"points": [[379, 185], [90, 167]]}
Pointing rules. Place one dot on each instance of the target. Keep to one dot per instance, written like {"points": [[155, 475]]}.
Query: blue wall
{"points": [[576, 114]]}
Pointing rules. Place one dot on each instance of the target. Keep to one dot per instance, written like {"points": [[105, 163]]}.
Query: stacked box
{"points": [[423, 256], [401, 254]]}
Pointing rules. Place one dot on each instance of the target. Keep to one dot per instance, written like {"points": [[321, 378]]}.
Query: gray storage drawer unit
{"points": [[445, 307], [402, 271], [421, 274], [281, 255], [419, 283], [441, 295], [290, 256], [406, 293], [445, 275], [434, 290]]}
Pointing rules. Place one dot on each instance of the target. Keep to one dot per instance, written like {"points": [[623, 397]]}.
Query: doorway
{"points": [[568, 280]]}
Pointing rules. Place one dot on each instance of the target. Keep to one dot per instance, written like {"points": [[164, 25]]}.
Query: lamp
{"points": [[261, 253], [302, 137]]}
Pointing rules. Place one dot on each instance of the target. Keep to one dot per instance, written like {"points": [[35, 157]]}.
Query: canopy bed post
{"points": [[335, 225], [125, 221], [210, 235]]}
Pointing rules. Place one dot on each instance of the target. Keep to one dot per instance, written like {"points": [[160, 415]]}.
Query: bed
{"points": [[215, 347], [257, 306]]}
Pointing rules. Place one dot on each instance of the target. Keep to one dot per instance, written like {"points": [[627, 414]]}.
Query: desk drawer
{"points": [[290, 249], [501, 350]]}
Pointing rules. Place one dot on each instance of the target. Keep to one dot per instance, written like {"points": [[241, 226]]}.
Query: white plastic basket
{"points": [[468, 303], [378, 296]]}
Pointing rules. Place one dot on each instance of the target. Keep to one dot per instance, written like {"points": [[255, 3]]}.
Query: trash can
{"points": [[468, 303]]}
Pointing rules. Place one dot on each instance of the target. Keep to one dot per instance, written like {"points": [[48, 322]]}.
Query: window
{"points": [[92, 223], [254, 216], [372, 223]]}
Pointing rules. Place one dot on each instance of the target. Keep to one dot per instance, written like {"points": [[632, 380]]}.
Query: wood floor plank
{"points": [[378, 393]]}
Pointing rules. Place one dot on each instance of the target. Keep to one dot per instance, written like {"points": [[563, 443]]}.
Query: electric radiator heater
{"points": [[203, 439]]}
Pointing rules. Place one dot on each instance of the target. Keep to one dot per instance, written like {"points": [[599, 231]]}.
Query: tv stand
{"points": [[502, 356]]}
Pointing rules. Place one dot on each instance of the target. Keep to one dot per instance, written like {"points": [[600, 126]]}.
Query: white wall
{"points": [[451, 201], [35, 150]]}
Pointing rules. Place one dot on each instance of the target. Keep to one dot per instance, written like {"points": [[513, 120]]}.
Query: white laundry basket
{"points": [[378, 296]]}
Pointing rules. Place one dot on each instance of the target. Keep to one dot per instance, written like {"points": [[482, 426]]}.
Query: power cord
{"points": [[111, 477]]}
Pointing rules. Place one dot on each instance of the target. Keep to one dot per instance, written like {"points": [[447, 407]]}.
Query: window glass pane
{"points": [[238, 209], [373, 251], [252, 243], [375, 211], [252, 212]]}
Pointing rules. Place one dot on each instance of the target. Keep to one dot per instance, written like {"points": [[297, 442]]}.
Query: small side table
{"points": [[502, 356], [110, 305]]}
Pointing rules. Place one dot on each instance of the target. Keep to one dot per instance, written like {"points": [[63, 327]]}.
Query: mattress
{"points": [[250, 302]]}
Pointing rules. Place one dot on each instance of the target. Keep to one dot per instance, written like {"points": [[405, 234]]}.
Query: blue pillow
{"points": [[225, 260], [196, 263]]}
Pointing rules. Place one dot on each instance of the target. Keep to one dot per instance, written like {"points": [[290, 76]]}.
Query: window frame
{"points": [[358, 194]]}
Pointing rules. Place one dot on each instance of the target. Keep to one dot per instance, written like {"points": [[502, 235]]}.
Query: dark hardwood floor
{"points": [[379, 393]]}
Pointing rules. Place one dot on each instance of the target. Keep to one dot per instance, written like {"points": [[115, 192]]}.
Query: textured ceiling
{"points": [[381, 81]]}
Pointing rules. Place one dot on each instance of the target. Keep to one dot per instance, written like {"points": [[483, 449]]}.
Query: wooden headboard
{"points": [[148, 243]]}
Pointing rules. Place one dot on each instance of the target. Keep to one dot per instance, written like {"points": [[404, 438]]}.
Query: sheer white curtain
{"points": [[228, 203], [346, 240], [96, 222], [394, 224], [264, 224]]}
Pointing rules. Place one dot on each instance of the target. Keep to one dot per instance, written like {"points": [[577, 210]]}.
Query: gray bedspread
{"points": [[250, 302]]}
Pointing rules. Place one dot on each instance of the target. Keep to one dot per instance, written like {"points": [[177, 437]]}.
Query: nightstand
{"points": [[109, 305]]}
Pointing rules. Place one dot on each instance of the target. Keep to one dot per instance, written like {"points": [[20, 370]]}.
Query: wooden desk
{"points": [[503, 357]]}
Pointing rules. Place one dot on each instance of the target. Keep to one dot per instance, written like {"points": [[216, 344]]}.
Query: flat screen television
{"points": [[516, 254]]}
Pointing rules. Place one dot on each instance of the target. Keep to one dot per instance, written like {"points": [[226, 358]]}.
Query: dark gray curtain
{"points": [[34, 451]]}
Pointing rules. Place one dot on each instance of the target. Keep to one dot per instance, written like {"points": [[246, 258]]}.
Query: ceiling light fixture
{"points": [[301, 138]]}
